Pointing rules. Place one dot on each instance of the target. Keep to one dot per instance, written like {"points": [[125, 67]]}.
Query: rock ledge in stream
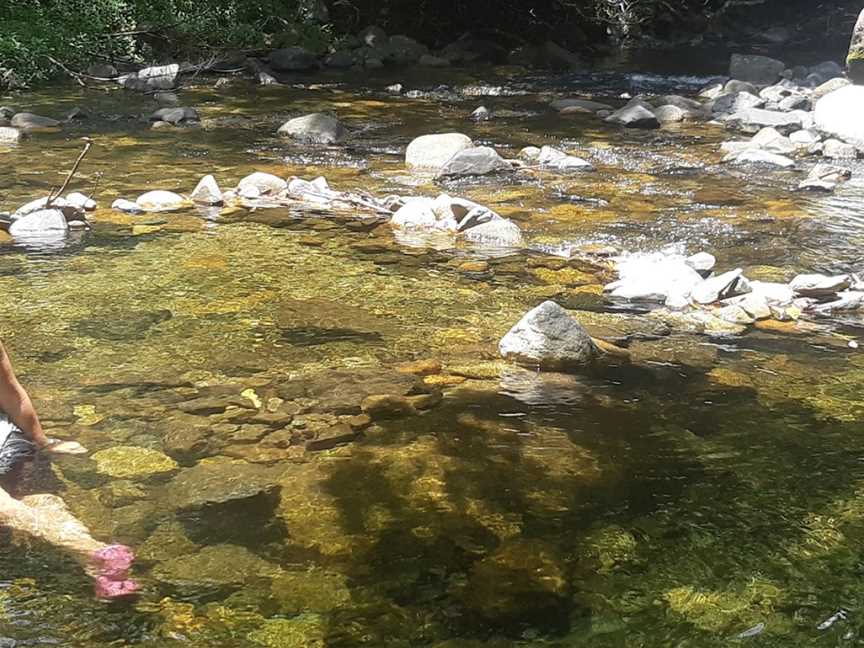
{"points": [[549, 338]]}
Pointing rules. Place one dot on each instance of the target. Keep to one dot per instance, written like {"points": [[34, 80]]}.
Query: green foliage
{"points": [[78, 32]]}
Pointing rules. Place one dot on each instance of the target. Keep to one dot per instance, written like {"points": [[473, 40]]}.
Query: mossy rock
{"points": [[213, 570], [311, 591], [521, 584], [304, 631], [132, 462]]}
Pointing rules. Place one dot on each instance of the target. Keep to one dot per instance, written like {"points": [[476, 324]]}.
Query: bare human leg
{"points": [[46, 517]]}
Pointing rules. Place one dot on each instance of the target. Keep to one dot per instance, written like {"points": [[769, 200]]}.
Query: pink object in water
{"points": [[109, 589], [112, 564]]}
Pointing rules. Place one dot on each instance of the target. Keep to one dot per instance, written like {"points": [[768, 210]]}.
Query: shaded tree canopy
{"points": [[77, 32]]}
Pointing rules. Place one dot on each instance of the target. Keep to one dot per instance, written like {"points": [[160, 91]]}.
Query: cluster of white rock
{"points": [[457, 216], [41, 219], [682, 283], [790, 114]]}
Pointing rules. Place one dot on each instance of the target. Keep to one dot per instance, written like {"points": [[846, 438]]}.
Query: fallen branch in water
{"points": [[78, 76], [52, 196]]}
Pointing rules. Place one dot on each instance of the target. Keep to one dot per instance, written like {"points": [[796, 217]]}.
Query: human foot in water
{"points": [[112, 565]]}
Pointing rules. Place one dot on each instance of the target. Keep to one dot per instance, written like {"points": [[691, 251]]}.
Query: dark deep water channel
{"points": [[715, 485]]}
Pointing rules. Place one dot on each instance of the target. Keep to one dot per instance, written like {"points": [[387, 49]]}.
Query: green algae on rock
{"points": [[130, 462], [214, 569], [303, 631]]}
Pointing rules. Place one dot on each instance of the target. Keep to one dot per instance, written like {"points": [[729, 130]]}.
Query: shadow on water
{"points": [[509, 527]]}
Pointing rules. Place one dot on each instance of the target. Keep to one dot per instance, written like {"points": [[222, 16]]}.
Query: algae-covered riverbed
{"points": [[710, 493]]}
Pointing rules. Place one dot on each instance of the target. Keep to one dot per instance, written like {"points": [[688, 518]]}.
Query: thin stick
{"points": [[52, 196]]}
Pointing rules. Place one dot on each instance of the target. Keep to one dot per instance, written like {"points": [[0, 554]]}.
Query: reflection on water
{"points": [[713, 488]]}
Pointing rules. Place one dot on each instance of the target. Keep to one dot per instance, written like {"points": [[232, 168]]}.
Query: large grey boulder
{"points": [[39, 222], [28, 122], [500, 232], [855, 57], [477, 161], [160, 77], [432, 152], [548, 337], [839, 114], [317, 128], [293, 59], [634, 116], [758, 70], [754, 119]]}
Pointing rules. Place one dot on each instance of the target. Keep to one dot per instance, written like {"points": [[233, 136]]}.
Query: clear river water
{"points": [[710, 494]]}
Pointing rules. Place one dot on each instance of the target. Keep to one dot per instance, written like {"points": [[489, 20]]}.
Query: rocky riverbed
{"points": [[313, 401]]}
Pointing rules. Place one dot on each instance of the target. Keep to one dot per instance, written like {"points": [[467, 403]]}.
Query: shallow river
{"points": [[711, 493]]}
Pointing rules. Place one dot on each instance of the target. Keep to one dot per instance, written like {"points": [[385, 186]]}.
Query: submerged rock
{"points": [[550, 338], [28, 122], [213, 570], [519, 582], [314, 590], [132, 462], [432, 152], [177, 115], [317, 128], [220, 482]]}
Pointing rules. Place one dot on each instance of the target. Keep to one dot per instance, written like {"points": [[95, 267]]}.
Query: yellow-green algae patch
{"points": [[128, 462]]}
